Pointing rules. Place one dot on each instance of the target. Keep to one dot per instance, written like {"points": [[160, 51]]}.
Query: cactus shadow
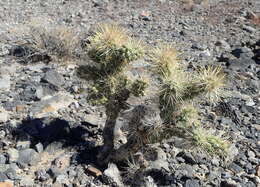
{"points": [[55, 134]]}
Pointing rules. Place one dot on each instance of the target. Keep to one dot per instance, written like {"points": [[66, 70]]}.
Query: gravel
{"points": [[49, 132]]}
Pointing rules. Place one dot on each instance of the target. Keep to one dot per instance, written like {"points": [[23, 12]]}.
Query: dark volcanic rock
{"points": [[54, 78], [240, 63], [235, 168], [187, 157], [243, 52]]}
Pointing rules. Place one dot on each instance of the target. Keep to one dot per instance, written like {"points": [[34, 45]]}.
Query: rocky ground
{"points": [[49, 133]]}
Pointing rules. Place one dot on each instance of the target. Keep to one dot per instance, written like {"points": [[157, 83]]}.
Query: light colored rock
{"points": [[223, 44], [95, 119], [28, 157], [4, 167], [149, 182], [37, 67], [250, 102], [249, 29], [4, 116], [26, 181], [51, 105], [257, 127], [113, 173], [13, 154], [9, 69], [5, 82], [232, 153], [159, 164], [39, 147], [62, 179], [205, 53]]}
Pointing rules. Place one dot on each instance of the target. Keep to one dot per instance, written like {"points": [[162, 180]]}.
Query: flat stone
{"points": [[159, 164], [53, 78], [13, 154], [53, 147], [28, 157], [44, 91], [95, 119], [51, 105]]}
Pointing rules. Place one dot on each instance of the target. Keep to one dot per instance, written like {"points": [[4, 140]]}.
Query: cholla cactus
{"points": [[179, 87], [213, 144], [138, 87], [209, 82], [127, 131], [104, 88], [165, 60], [187, 117], [113, 48]]}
